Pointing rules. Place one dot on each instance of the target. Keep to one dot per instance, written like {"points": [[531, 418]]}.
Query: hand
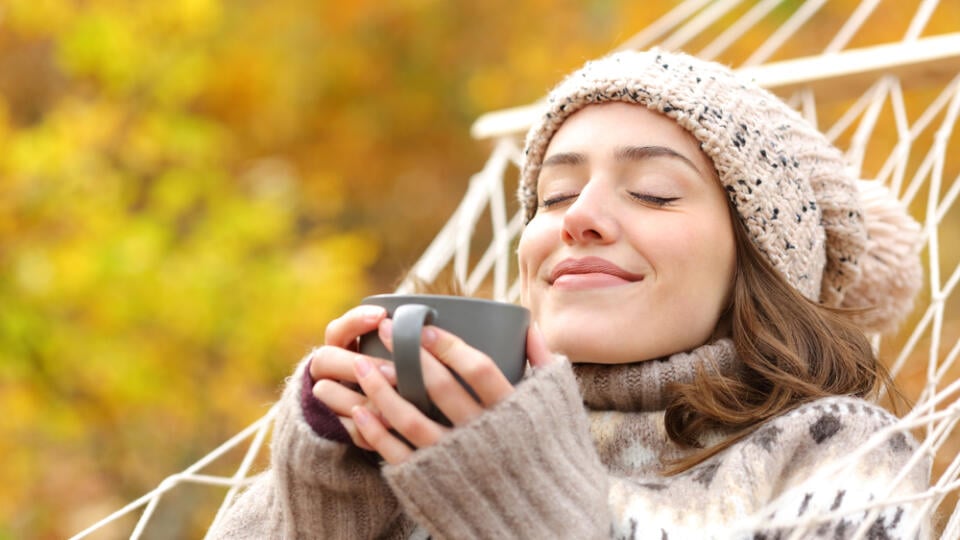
{"points": [[439, 350], [331, 366]]}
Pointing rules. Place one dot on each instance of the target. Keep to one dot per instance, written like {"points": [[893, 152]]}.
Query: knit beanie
{"points": [[838, 240]]}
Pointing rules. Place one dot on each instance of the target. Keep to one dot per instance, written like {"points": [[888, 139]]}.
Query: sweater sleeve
{"points": [[315, 487], [527, 468]]}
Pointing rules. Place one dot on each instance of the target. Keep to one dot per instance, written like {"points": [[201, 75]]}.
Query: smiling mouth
{"points": [[590, 272]]}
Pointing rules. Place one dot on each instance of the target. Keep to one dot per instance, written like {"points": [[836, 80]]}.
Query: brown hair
{"points": [[792, 351], [445, 285]]}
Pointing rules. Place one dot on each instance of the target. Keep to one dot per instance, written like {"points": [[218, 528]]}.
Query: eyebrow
{"points": [[623, 153], [564, 158], [640, 153]]}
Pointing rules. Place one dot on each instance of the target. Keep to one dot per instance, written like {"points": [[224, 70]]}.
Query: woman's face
{"points": [[630, 255]]}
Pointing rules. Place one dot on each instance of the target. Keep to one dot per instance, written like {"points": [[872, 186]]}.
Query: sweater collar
{"points": [[641, 386]]}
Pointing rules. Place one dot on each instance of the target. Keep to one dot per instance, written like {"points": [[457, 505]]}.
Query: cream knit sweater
{"points": [[541, 465]]}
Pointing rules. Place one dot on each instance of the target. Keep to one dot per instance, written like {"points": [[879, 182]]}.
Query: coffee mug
{"points": [[497, 329]]}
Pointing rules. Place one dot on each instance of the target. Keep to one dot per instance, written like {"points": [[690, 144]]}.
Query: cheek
{"points": [[533, 248], [526, 262], [697, 257], [537, 242], [710, 259]]}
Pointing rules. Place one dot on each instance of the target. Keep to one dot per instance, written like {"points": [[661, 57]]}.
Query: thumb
{"points": [[537, 351]]}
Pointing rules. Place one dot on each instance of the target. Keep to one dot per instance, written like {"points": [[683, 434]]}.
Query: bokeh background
{"points": [[191, 189]]}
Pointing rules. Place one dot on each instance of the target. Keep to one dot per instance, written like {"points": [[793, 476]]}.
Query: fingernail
{"points": [[360, 415], [388, 371], [371, 312], [318, 390], [429, 336], [385, 330], [362, 366]]}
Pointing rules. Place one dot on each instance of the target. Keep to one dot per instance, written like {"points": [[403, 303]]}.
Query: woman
{"points": [[689, 237]]}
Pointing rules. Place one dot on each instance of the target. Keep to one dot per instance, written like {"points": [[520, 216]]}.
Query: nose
{"points": [[589, 219]]}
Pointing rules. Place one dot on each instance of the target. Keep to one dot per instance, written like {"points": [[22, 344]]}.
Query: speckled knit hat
{"points": [[836, 239]]}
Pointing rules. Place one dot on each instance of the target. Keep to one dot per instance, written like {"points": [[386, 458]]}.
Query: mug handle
{"points": [[408, 321]]}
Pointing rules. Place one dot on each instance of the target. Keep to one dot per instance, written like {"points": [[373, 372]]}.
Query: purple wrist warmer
{"points": [[323, 420]]}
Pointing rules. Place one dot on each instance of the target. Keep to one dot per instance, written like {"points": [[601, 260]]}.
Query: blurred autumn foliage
{"points": [[191, 189]]}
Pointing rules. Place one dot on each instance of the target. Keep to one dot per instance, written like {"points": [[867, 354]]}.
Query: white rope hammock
{"points": [[891, 106]]}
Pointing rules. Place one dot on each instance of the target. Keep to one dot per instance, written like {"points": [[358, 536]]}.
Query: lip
{"points": [[593, 266]]}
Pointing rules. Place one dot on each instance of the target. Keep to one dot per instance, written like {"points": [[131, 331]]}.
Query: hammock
{"points": [[891, 106]]}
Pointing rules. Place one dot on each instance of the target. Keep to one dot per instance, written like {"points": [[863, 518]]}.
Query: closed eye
{"points": [[653, 199], [557, 199]]}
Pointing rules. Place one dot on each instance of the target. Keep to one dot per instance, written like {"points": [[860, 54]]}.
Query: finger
{"points": [[344, 330], [444, 390], [405, 418], [330, 362], [390, 448], [538, 353], [338, 398], [474, 367], [341, 399], [355, 435]]}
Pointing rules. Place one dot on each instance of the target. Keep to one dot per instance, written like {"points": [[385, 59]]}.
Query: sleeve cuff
{"points": [[318, 416]]}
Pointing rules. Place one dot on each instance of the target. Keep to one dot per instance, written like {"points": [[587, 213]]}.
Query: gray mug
{"points": [[497, 329]]}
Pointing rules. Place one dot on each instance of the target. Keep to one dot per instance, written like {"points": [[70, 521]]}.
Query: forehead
{"points": [[601, 129], [616, 120]]}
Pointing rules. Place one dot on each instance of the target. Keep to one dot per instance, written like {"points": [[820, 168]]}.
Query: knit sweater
{"points": [[576, 452]]}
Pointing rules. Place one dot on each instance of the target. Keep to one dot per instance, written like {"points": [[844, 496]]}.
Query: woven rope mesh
{"points": [[890, 102]]}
